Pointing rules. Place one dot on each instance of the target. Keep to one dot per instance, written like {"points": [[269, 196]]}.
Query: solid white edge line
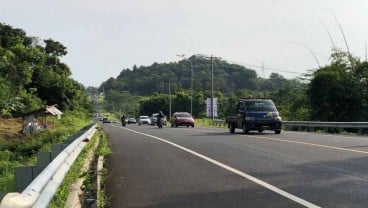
{"points": [[233, 170]]}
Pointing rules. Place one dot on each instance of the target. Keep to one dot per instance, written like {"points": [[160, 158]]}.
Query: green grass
{"points": [[88, 175], [22, 151], [75, 173]]}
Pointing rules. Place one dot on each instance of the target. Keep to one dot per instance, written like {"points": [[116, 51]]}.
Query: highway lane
{"points": [[324, 170]]}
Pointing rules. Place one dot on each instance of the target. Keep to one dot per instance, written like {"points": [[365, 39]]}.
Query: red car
{"points": [[182, 119]]}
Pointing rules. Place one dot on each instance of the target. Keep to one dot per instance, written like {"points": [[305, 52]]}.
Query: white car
{"points": [[144, 120]]}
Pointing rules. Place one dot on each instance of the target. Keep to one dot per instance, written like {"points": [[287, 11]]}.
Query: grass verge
{"points": [[89, 175], [18, 150]]}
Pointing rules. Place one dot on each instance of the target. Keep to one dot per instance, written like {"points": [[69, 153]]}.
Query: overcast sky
{"points": [[104, 37]]}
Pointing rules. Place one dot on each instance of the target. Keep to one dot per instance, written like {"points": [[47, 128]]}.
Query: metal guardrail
{"points": [[315, 124], [219, 122], [326, 125], [40, 191]]}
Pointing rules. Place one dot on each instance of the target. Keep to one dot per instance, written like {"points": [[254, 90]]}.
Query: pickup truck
{"points": [[255, 114]]}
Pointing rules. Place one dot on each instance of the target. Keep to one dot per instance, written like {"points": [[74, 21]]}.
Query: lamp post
{"points": [[191, 82]]}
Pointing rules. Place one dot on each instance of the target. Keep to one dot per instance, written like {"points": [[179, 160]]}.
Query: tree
{"points": [[291, 101], [35, 75], [335, 91], [55, 48]]}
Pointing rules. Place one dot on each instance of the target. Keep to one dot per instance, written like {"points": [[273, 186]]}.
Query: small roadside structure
{"points": [[38, 120]]}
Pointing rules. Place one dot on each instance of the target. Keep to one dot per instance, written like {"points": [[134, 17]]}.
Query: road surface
{"points": [[209, 167]]}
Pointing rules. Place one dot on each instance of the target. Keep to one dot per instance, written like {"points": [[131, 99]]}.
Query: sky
{"points": [[289, 37]]}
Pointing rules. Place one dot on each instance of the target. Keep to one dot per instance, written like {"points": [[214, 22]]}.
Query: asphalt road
{"points": [[209, 167]]}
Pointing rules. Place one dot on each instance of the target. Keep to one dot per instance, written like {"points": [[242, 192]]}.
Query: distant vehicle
{"points": [[144, 120], [255, 114], [131, 120], [115, 121], [106, 120], [154, 119], [182, 119]]}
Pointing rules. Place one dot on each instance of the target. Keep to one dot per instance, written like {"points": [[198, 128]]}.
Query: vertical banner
{"points": [[208, 107]]}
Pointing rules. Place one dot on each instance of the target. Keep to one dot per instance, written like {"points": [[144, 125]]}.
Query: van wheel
{"points": [[231, 128], [277, 131]]}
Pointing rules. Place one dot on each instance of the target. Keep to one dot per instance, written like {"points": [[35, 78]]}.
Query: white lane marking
{"points": [[309, 144], [335, 135], [296, 142], [235, 171]]}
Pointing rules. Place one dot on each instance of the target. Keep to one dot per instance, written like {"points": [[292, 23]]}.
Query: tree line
{"points": [[32, 75], [335, 92]]}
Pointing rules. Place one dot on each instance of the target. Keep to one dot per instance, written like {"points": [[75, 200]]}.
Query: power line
{"points": [[266, 68]]}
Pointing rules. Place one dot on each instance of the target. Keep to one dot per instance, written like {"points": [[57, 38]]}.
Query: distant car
{"points": [[106, 120], [154, 119], [182, 119], [144, 120], [131, 120], [115, 121]]}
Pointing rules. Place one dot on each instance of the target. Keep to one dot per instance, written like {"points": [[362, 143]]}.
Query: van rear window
{"points": [[260, 105]]}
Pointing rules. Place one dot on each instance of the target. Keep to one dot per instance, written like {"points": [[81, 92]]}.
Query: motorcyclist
{"points": [[159, 118], [123, 120]]}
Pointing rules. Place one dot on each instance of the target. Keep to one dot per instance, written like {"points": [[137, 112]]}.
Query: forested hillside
{"points": [[227, 77], [335, 92], [230, 82]]}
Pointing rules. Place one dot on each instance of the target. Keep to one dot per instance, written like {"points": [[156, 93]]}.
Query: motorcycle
{"points": [[123, 123], [159, 123]]}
